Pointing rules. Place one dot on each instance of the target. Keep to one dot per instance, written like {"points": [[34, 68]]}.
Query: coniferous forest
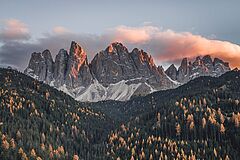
{"points": [[198, 120]]}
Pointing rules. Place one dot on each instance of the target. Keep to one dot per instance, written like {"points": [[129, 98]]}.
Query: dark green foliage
{"points": [[163, 124], [220, 95], [33, 109]]}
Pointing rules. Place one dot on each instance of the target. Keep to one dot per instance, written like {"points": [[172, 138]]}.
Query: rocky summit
{"points": [[115, 73], [204, 66]]}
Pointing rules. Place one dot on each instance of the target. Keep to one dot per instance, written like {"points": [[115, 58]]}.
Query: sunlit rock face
{"points": [[113, 64], [78, 72], [115, 73], [116, 63], [204, 66]]}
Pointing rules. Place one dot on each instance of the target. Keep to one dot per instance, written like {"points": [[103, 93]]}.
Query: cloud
{"points": [[166, 46], [60, 30], [133, 34], [13, 30], [17, 53], [169, 46], [12, 50]]}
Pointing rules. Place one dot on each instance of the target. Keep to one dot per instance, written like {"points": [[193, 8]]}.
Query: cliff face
{"points": [[60, 67], [204, 66], [78, 72], [41, 66], [115, 73]]}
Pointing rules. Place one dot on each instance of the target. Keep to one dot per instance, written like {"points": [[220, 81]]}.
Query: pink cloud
{"points": [[133, 34], [14, 30], [167, 45], [164, 45], [60, 30]]}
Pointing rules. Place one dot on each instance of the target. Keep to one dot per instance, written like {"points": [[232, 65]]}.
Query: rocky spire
{"points": [[41, 66], [220, 66], [34, 66], [219, 61], [183, 70], [144, 62], [78, 72], [47, 56], [172, 72], [116, 47], [207, 59], [60, 67], [113, 64], [115, 70], [72, 72], [201, 66]]}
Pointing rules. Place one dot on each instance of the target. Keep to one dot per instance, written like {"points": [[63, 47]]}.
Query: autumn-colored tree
{"points": [[215, 152], [222, 129], [190, 118], [178, 129], [204, 122], [158, 119], [151, 157], [43, 138], [18, 135], [236, 102], [5, 144], [33, 152], [12, 143], [204, 101], [191, 126], [47, 94]]}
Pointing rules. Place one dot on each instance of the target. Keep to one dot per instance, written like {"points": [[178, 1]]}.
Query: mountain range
{"points": [[115, 73]]}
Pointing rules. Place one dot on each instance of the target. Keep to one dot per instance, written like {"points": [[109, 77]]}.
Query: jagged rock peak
{"points": [[78, 72], [115, 73], [236, 69], [198, 61], [184, 61], [207, 59], [172, 67], [60, 67], [36, 56], [77, 52], [201, 66], [62, 51], [184, 66], [113, 64], [143, 56], [160, 69], [47, 54], [116, 47], [77, 58], [217, 60], [172, 72], [41, 66]]}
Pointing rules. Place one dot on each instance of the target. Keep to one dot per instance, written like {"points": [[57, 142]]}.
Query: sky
{"points": [[168, 30]]}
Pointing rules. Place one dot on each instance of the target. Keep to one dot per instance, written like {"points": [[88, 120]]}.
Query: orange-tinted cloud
{"points": [[60, 30], [14, 30], [168, 45], [132, 34]]}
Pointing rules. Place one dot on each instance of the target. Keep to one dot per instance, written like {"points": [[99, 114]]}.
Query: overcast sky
{"points": [[169, 30]]}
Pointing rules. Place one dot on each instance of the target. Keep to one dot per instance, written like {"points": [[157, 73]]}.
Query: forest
{"points": [[198, 120]]}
